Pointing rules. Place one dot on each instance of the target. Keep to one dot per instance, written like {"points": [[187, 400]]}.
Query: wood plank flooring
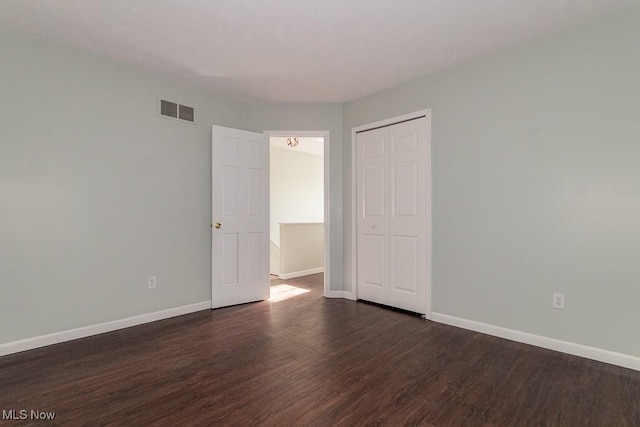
{"points": [[311, 361]]}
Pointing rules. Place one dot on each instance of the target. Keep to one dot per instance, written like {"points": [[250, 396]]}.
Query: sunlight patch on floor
{"points": [[284, 291]]}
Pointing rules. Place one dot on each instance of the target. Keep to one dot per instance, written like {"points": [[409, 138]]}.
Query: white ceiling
{"points": [[295, 50], [306, 144]]}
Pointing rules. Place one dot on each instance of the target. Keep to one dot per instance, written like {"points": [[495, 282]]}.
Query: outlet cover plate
{"points": [[558, 301]]}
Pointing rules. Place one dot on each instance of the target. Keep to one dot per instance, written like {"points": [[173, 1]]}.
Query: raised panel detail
{"points": [[254, 256], [405, 189], [373, 191], [230, 191], [374, 149], [231, 147], [374, 256], [230, 255], [405, 142], [254, 193], [405, 263], [255, 149]]}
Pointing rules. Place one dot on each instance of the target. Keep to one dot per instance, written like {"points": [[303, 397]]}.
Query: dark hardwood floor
{"points": [[312, 361]]}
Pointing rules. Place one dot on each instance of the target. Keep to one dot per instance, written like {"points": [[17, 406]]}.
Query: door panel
{"points": [[231, 147], [374, 146], [240, 247], [230, 258], [405, 264], [230, 189], [254, 193], [404, 188], [374, 276], [404, 140], [254, 256], [372, 216], [408, 222], [374, 189]]}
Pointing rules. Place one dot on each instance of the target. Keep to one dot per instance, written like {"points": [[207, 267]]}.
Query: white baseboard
{"points": [[340, 294], [349, 295], [335, 294], [594, 353], [287, 276], [100, 328]]}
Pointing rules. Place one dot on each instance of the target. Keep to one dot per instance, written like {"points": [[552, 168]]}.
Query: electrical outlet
{"points": [[558, 301], [151, 282]]}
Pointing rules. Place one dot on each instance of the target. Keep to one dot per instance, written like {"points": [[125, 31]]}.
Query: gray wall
{"points": [[536, 183], [97, 191], [317, 117]]}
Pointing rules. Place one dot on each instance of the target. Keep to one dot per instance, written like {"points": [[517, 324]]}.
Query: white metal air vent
{"points": [[176, 111]]}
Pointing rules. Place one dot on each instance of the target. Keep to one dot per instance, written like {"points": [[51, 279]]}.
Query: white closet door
{"points": [[393, 216], [407, 207], [373, 222]]}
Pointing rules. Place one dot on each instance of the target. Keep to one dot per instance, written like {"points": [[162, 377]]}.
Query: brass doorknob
{"points": [[218, 225]]}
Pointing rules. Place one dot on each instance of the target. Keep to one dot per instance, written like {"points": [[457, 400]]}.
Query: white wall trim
{"points": [[335, 294], [341, 294], [354, 202], [294, 274], [327, 195], [588, 352], [99, 328]]}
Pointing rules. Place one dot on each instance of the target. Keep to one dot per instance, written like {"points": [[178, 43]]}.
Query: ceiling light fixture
{"points": [[292, 142]]}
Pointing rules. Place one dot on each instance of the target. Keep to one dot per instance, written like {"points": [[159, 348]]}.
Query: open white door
{"points": [[240, 217]]}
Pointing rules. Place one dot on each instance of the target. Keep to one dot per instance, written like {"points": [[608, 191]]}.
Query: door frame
{"points": [[327, 194], [354, 200]]}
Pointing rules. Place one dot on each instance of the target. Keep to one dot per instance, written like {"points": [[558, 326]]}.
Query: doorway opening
{"points": [[299, 201]]}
